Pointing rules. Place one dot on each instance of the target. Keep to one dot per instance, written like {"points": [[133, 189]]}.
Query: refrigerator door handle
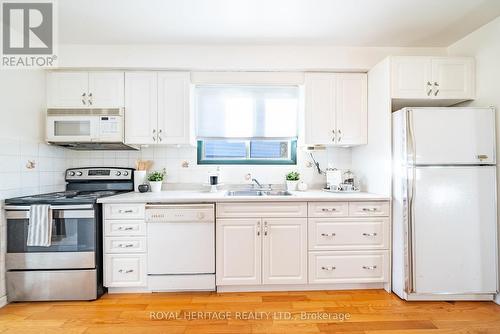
{"points": [[411, 174], [410, 231]]}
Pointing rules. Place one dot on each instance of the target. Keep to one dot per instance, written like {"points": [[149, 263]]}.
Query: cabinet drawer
{"points": [[125, 244], [271, 210], [348, 267], [348, 233], [125, 270], [124, 227], [124, 211], [369, 209], [328, 209]]}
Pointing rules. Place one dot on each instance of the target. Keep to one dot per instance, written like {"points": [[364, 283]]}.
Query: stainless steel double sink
{"points": [[258, 193]]}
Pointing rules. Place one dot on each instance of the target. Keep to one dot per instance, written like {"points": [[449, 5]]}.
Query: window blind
{"points": [[229, 111]]}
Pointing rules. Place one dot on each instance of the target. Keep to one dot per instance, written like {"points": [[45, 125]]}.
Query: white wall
{"points": [[484, 45], [372, 162], [225, 58], [22, 103]]}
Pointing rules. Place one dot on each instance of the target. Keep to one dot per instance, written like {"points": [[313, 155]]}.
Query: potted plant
{"points": [[292, 179], [156, 179]]}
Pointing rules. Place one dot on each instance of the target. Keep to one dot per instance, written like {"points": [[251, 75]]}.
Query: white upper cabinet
{"points": [[106, 89], [320, 107], [157, 108], [174, 121], [432, 78], [352, 107], [85, 89], [453, 78], [336, 109], [411, 77], [67, 89], [141, 116]]}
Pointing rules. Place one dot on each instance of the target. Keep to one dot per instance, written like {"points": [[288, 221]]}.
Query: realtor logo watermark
{"points": [[28, 34]]}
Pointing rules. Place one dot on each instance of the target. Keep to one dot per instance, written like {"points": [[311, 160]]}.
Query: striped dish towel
{"points": [[40, 225]]}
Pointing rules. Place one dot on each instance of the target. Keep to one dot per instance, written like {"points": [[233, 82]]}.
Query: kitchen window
{"points": [[247, 124]]}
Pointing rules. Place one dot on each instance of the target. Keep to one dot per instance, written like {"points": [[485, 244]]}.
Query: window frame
{"points": [[201, 160]]}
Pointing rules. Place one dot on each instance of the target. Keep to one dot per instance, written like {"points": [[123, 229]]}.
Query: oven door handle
{"points": [[53, 207], [58, 214]]}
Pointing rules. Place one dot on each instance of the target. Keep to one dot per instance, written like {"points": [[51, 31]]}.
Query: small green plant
{"points": [[157, 175], [293, 176]]}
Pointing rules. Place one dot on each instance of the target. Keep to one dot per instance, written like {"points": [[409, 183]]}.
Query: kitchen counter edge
{"points": [[176, 196]]}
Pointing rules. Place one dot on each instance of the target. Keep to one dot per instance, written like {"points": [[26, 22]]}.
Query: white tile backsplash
{"points": [[173, 158], [16, 179]]}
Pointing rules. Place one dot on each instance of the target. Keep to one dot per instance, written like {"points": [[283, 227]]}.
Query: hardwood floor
{"points": [[362, 311]]}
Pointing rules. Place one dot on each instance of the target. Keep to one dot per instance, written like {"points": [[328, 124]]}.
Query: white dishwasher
{"points": [[181, 247]]}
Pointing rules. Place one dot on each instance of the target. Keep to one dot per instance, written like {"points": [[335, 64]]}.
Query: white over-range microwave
{"points": [[87, 129]]}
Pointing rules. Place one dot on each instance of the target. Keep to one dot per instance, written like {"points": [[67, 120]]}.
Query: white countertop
{"points": [[182, 196]]}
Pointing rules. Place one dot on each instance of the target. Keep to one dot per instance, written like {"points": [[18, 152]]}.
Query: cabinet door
{"points": [[106, 89], [125, 270], [453, 78], [411, 77], [352, 104], [174, 121], [238, 251], [320, 106], [141, 108], [284, 258], [67, 89]]}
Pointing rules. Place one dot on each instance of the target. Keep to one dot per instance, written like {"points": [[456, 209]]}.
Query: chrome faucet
{"points": [[257, 182]]}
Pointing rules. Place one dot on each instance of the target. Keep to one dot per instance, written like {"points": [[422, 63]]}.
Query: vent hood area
{"points": [[96, 146]]}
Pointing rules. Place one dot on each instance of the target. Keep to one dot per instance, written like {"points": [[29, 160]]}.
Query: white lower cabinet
{"points": [[349, 267], [261, 251], [125, 246], [317, 244], [238, 252], [284, 256], [125, 270]]}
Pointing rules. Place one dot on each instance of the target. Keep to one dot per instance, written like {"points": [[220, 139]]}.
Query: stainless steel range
{"points": [[71, 267]]}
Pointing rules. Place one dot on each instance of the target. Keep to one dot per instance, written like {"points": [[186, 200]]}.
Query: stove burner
{"points": [[83, 190]]}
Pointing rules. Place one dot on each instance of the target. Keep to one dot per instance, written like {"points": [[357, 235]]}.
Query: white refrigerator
{"points": [[444, 204]]}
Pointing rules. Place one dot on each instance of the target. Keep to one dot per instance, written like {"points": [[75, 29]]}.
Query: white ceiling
{"points": [[332, 22]]}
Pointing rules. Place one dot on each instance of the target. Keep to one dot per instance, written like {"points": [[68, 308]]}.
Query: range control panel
{"points": [[99, 173]]}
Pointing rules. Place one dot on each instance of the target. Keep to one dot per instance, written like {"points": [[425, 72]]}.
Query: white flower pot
{"points": [[155, 186], [291, 185]]}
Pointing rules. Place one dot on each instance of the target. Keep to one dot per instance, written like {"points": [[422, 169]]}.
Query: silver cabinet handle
{"points": [[126, 271], [334, 136], [437, 89], [123, 228], [429, 86], [370, 234], [159, 135], [90, 99], [84, 95], [126, 211], [265, 229], [369, 209], [329, 268], [154, 134], [370, 267], [258, 228], [328, 210], [125, 245], [482, 157], [340, 136], [328, 234]]}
